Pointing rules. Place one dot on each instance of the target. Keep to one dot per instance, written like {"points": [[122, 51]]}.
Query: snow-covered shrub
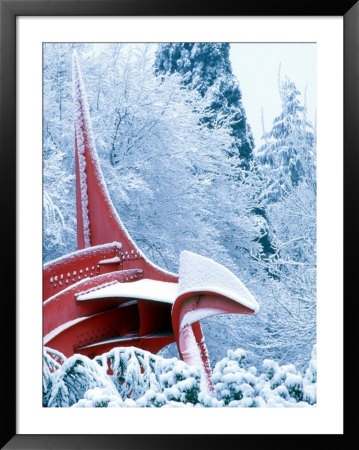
{"points": [[311, 372], [276, 386], [99, 398], [52, 360], [149, 379], [294, 384], [131, 377], [276, 374], [233, 383], [70, 382], [310, 380]]}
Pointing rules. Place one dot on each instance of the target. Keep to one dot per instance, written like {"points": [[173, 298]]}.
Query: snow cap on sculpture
{"points": [[198, 273]]}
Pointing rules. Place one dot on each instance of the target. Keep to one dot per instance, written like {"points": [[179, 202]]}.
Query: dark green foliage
{"points": [[207, 68], [295, 388]]}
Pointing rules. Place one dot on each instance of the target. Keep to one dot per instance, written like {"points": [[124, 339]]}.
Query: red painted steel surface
{"points": [[108, 324], [106, 255], [150, 343], [70, 269], [63, 307]]}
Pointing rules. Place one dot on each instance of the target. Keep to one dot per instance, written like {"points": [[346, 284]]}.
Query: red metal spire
{"points": [[97, 220]]}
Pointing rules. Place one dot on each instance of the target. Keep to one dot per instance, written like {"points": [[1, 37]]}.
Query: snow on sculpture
{"points": [[108, 294]]}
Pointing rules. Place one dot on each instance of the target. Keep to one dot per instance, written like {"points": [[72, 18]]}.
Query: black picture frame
{"points": [[9, 10]]}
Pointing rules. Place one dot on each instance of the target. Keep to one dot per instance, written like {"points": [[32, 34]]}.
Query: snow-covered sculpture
{"points": [[108, 294]]}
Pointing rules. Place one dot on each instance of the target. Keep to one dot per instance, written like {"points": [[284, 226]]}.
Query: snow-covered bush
{"points": [[100, 398], [310, 380], [130, 377], [52, 360], [69, 383], [149, 379], [275, 386]]}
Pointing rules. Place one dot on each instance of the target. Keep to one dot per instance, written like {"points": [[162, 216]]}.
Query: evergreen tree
{"points": [[288, 155], [206, 67]]}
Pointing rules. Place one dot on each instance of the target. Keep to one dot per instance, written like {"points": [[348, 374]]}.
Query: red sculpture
{"points": [[108, 294]]}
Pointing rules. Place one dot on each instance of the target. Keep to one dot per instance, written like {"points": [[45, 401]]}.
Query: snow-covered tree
{"points": [[58, 162], [68, 381], [291, 286], [206, 67], [287, 166], [288, 155]]}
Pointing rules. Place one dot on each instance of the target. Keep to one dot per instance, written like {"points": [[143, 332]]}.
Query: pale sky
{"points": [[256, 66]]}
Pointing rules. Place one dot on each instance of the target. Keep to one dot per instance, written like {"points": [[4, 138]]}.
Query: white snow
{"points": [[84, 283], [159, 291], [82, 125], [83, 252], [198, 273], [197, 314], [114, 260], [95, 288]]}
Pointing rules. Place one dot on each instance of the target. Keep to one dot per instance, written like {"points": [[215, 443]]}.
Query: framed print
{"points": [[176, 193]]}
